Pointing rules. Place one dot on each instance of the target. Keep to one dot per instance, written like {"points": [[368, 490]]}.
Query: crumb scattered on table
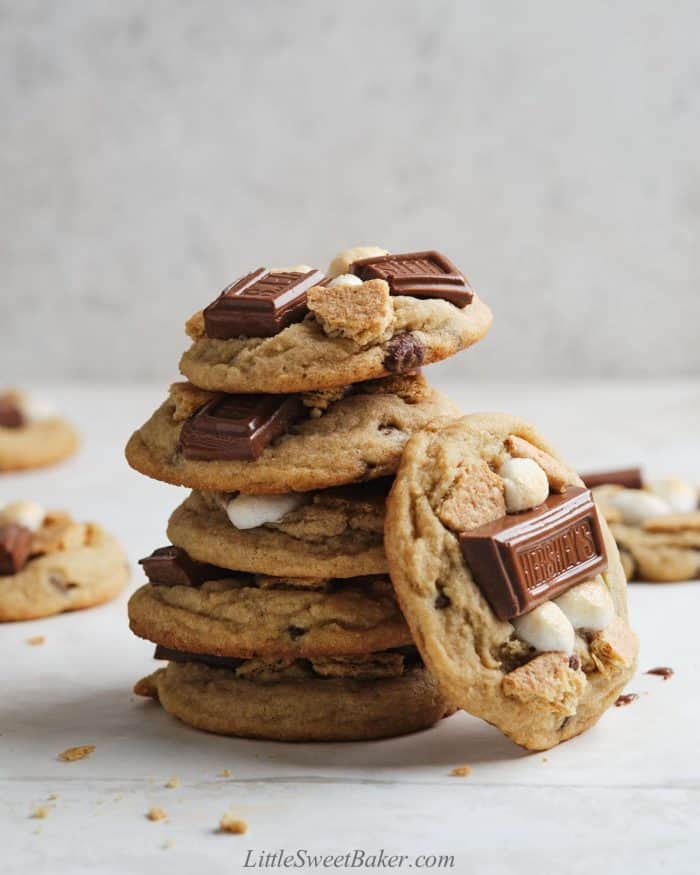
{"points": [[168, 843], [461, 771], [156, 814], [41, 812], [225, 773], [72, 754], [36, 640], [53, 796], [233, 825], [173, 783]]}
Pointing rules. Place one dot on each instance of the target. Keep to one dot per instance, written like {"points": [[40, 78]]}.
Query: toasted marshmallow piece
{"points": [[295, 268], [341, 263], [546, 628], [35, 409], [680, 496], [638, 506], [526, 484], [345, 279], [25, 513], [251, 511], [587, 606]]}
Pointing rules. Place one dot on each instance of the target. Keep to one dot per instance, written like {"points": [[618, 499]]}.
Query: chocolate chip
{"points": [[403, 352], [442, 601], [296, 632], [59, 581], [574, 663]]}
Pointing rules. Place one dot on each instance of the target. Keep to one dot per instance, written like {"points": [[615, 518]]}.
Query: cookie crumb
{"points": [[225, 773], [172, 783], [52, 797], [545, 760], [233, 825], [71, 754], [41, 812], [36, 640], [168, 843], [156, 814], [461, 771]]}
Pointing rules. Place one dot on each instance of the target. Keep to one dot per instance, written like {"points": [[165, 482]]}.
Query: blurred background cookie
{"points": [[32, 433]]}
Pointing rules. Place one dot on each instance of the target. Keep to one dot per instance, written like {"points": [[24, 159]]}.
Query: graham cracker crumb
{"points": [[225, 773], [156, 814], [41, 812], [53, 796], [233, 825], [172, 783], [71, 754], [362, 313], [168, 843], [36, 640], [461, 771]]}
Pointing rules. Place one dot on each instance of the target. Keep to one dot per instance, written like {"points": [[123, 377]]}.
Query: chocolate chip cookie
{"points": [[32, 434], [509, 580]]}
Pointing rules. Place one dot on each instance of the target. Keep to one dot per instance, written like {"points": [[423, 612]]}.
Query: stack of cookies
{"points": [[273, 604]]}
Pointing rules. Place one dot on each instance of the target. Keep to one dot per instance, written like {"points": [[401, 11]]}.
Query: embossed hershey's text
{"points": [[544, 562]]}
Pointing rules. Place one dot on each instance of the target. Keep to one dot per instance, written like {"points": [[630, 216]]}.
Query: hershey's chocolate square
{"points": [[172, 566], [238, 426], [15, 546], [522, 560], [417, 274], [260, 304]]}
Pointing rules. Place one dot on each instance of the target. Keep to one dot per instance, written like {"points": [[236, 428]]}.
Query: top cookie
{"points": [[292, 330], [511, 584]]}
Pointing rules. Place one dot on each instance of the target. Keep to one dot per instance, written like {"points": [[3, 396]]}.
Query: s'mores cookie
{"points": [[32, 434]]}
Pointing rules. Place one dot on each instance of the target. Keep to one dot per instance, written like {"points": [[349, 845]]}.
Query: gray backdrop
{"points": [[152, 151]]}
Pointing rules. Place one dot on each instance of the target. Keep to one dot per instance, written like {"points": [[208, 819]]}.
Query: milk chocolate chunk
{"points": [[630, 478], [238, 426], [15, 547], [522, 560], [10, 414], [418, 274], [171, 566], [260, 304], [206, 658], [404, 352]]}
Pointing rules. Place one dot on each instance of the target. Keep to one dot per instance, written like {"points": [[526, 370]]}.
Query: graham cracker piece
{"points": [[360, 313], [59, 532], [72, 754], [194, 327], [559, 475], [476, 498], [547, 682], [188, 399], [232, 825]]}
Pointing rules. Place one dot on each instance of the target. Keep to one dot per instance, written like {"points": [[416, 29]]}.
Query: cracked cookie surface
{"points": [[72, 566], [245, 616], [336, 533], [536, 698], [299, 701], [358, 437]]}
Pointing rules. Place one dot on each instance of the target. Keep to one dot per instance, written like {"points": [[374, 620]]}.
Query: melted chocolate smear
{"points": [[661, 671], [626, 699], [574, 663]]}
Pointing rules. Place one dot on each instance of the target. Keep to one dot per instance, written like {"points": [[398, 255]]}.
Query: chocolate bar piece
{"points": [[630, 478], [208, 659], [238, 426], [10, 414], [418, 274], [172, 566], [260, 304], [522, 560], [15, 546]]}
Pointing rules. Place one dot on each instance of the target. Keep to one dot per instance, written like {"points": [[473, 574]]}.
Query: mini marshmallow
{"points": [[345, 279], [587, 606], [526, 484], [546, 628], [680, 496], [25, 513], [341, 263], [638, 506], [35, 409], [295, 268], [251, 511]]}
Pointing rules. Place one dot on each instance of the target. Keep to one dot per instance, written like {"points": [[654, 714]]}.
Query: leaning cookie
{"points": [[511, 584], [49, 563], [278, 443], [344, 698], [656, 525], [372, 315], [197, 607], [326, 533], [31, 433]]}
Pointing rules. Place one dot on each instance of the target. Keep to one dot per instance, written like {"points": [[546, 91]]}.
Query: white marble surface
{"points": [[625, 797], [151, 152]]}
